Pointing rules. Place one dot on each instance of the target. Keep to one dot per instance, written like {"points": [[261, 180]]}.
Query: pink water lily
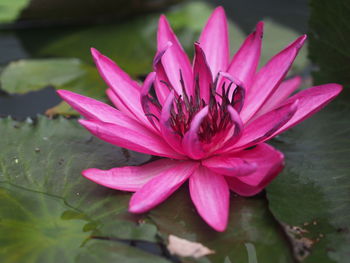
{"points": [[209, 120]]}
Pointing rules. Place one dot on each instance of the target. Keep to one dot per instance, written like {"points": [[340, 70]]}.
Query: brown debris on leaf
{"points": [[301, 245], [185, 248]]}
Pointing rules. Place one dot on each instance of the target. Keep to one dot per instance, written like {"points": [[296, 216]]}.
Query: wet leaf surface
{"points": [[23, 76], [312, 195], [250, 224], [329, 40], [47, 207]]}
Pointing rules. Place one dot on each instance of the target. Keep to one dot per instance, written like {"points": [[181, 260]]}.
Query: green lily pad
{"points": [[30, 75], [47, 204], [251, 233], [96, 251], [10, 9], [312, 195], [329, 40]]}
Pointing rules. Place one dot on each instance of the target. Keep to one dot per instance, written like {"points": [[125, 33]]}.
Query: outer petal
{"points": [[94, 109], [129, 178], [310, 101], [161, 187], [269, 163], [127, 90], [136, 138], [118, 103], [191, 143], [202, 72], [175, 58], [280, 95], [269, 78], [246, 60], [215, 42], [210, 194], [229, 166], [264, 127]]}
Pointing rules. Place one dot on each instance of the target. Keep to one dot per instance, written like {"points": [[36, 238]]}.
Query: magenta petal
{"points": [[149, 106], [174, 59], [265, 126], [171, 137], [269, 163], [202, 75], [310, 101], [215, 42], [134, 137], [161, 187], [229, 166], [286, 88], [269, 78], [162, 83], [191, 143], [246, 60], [129, 178], [93, 109], [210, 194], [127, 90]]}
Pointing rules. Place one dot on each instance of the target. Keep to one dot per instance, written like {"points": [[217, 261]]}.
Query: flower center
{"points": [[224, 92]]}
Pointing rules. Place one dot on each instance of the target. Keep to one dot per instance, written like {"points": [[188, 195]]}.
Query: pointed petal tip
{"points": [[301, 40], [219, 10], [94, 52], [135, 209], [260, 27]]}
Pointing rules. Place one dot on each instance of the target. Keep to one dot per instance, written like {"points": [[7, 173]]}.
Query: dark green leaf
{"points": [[251, 233], [312, 195], [43, 195], [329, 40]]}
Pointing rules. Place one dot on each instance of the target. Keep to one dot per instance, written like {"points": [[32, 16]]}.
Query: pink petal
{"points": [[127, 90], [171, 137], [162, 82], [210, 195], [202, 74], [150, 108], [310, 101], [269, 78], [229, 166], [269, 164], [174, 59], [161, 187], [215, 42], [129, 178], [246, 60], [280, 95], [118, 103], [264, 127], [191, 143], [134, 137], [94, 109]]}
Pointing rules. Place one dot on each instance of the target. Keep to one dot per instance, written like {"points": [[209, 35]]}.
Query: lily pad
{"points": [[30, 75], [251, 233], [312, 196], [10, 9], [329, 40], [47, 207]]}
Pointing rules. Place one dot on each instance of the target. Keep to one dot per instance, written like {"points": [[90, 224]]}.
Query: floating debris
{"points": [[185, 248]]}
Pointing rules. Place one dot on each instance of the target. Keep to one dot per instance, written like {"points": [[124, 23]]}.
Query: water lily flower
{"points": [[209, 121]]}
